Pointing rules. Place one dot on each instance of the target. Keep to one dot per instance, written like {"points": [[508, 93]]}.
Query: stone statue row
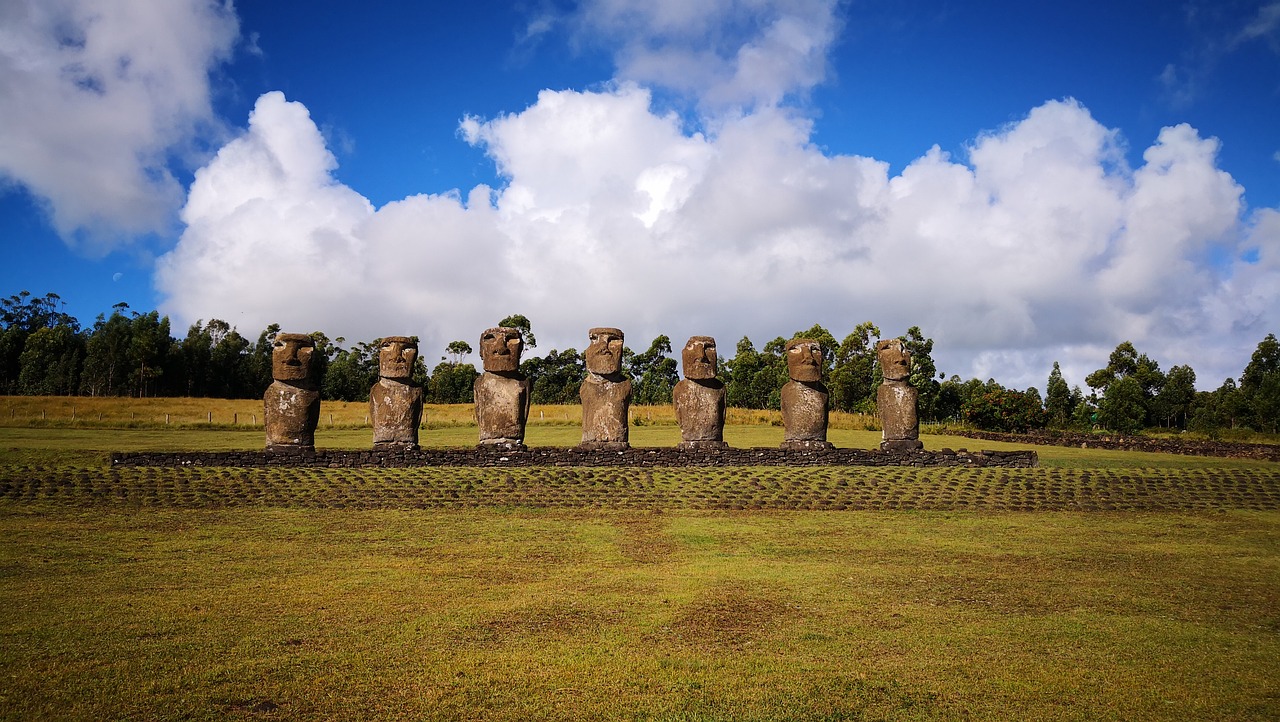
{"points": [[503, 395]]}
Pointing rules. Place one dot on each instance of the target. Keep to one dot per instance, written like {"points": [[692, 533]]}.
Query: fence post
{"points": [[235, 418], [211, 417], [166, 419]]}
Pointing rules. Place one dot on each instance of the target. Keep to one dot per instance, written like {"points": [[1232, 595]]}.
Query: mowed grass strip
{"points": [[737, 488], [304, 613], [89, 446]]}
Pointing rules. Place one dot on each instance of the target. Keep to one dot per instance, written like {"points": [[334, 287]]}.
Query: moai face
{"points": [[804, 359], [291, 357], [699, 358], [396, 355], [604, 353], [500, 349], [895, 360]]}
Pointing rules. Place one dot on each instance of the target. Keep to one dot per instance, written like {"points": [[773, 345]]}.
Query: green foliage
{"points": [[555, 377], [450, 383], [1260, 385], [1172, 404], [923, 371], [654, 373], [1144, 374], [1123, 406], [755, 379], [852, 382], [50, 362], [998, 409], [1058, 401], [458, 349], [521, 322], [21, 316], [351, 373]]}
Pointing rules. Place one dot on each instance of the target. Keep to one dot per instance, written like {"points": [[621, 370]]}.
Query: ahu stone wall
{"points": [[568, 457]]}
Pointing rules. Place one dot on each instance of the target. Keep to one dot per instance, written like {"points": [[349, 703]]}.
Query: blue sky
{"points": [[1027, 182]]}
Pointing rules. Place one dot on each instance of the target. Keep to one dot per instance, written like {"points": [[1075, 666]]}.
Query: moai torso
{"points": [[700, 410], [804, 411], [395, 409], [604, 412], [502, 408], [896, 403], [290, 414]]}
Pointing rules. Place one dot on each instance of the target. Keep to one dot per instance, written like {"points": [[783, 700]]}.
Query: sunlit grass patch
{"points": [[572, 614]]}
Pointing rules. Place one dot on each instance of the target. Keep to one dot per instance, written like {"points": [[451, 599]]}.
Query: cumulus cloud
{"points": [[1040, 245], [96, 98], [726, 54]]}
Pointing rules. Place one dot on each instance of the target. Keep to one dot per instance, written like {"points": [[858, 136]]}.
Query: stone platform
{"points": [[572, 457]]}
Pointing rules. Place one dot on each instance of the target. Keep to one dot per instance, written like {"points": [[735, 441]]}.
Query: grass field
{"points": [[663, 594]]}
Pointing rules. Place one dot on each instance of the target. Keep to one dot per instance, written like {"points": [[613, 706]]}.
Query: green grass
{"points": [[534, 614], [51, 443], [655, 594]]}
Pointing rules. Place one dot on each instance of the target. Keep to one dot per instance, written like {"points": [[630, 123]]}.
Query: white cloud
{"points": [[96, 97], [726, 54], [1042, 245]]}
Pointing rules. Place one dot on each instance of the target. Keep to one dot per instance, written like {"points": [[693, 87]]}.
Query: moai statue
{"points": [[606, 393], [896, 398], [804, 398], [502, 393], [395, 402], [291, 405], [699, 398]]}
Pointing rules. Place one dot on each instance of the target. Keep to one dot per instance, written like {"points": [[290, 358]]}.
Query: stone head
{"points": [[500, 349], [804, 359], [699, 358], [604, 352], [396, 355], [291, 357], [895, 360]]}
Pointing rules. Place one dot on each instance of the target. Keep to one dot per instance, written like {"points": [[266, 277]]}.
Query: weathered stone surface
{"points": [[804, 415], [700, 410], [500, 349], [804, 359], [291, 404], [395, 403], [699, 359], [699, 399], [604, 351], [894, 358], [897, 400], [804, 398], [605, 394], [502, 393]]}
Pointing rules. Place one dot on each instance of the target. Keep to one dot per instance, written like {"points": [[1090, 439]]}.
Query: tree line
{"points": [[44, 351]]}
